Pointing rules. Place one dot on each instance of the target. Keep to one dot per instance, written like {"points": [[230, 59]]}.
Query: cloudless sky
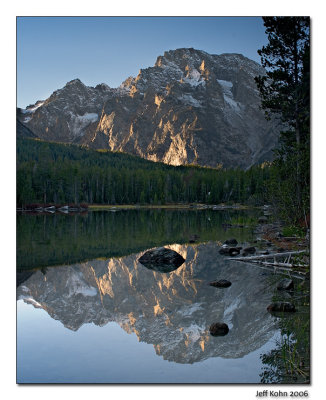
{"points": [[54, 50]]}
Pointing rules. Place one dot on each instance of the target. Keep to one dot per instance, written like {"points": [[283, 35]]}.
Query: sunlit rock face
{"points": [[172, 311], [190, 108]]}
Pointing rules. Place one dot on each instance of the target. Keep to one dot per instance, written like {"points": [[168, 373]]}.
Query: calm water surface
{"points": [[88, 311]]}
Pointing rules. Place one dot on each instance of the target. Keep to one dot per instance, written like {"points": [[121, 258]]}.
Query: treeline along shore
{"points": [[57, 174]]}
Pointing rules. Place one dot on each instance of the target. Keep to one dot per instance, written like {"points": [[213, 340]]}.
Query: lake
{"points": [[89, 312]]}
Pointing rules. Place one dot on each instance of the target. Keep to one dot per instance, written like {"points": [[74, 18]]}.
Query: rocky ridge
{"points": [[191, 107]]}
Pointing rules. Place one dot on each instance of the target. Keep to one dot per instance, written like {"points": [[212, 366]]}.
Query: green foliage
{"points": [[288, 177], [285, 58], [292, 230], [58, 173], [285, 92]]}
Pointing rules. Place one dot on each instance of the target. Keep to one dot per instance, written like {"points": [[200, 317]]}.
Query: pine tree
{"points": [[285, 93]]}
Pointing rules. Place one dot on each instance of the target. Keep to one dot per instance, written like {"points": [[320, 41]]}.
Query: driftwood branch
{"points": [[282, 271]]}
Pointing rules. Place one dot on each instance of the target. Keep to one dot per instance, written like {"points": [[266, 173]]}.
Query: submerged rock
{"points": [[162, 259], [250, 250], [285, 284], [218, 329], [224, 250], [281, 307], [231, 251], [231, 242], [234, 251], [223, 283]]}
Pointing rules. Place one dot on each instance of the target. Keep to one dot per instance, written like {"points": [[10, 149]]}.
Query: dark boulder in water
{"points": [[218, 329], [231, 242], [161, 259]]}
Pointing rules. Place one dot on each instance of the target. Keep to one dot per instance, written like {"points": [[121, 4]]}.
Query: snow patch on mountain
{"points": [[227, 94], [194, 332], [32, 109], [189, 310], [30, 300], [188, 99], [79, 122], [194, 78], [229, 312], [77, 285], [226, 87]]}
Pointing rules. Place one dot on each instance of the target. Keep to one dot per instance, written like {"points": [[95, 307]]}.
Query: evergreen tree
{"points": [[285, 92]]}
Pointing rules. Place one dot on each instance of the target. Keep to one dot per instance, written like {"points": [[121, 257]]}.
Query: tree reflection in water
{"points": [[289, 362]]}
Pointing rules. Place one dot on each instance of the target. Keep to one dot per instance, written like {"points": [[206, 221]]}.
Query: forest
{"points": [[52, 173]]}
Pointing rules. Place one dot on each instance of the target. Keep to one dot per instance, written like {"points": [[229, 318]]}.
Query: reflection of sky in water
{"points": [[48, 352]]}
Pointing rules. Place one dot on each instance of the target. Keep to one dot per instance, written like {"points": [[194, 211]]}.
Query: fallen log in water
{"points": [[268, 256], [283, 267], [283, 271]]}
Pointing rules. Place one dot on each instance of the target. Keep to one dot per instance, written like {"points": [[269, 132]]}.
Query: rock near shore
{"points": [[231, 242], [281, 307]]}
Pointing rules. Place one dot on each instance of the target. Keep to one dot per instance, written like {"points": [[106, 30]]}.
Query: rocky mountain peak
{"points": [[191, 107], [76, 81], [103, 87]]}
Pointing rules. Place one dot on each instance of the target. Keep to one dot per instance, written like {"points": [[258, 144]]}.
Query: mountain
{"points": [[190, 108], [68, 113], [23, 132], [172, 311]]}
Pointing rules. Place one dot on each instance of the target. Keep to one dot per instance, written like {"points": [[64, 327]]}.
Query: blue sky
{"points": [[54, 50]]}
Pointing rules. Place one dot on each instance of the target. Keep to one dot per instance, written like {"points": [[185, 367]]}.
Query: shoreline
{"points": [[116, 207], [190, 206]]}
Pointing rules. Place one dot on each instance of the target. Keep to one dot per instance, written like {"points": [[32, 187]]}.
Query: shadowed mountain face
{"points": [[172, 311], [23, 132], [190, 108]]}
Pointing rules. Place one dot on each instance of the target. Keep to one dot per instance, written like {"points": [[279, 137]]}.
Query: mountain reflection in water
{"points": [[172, 311]]}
